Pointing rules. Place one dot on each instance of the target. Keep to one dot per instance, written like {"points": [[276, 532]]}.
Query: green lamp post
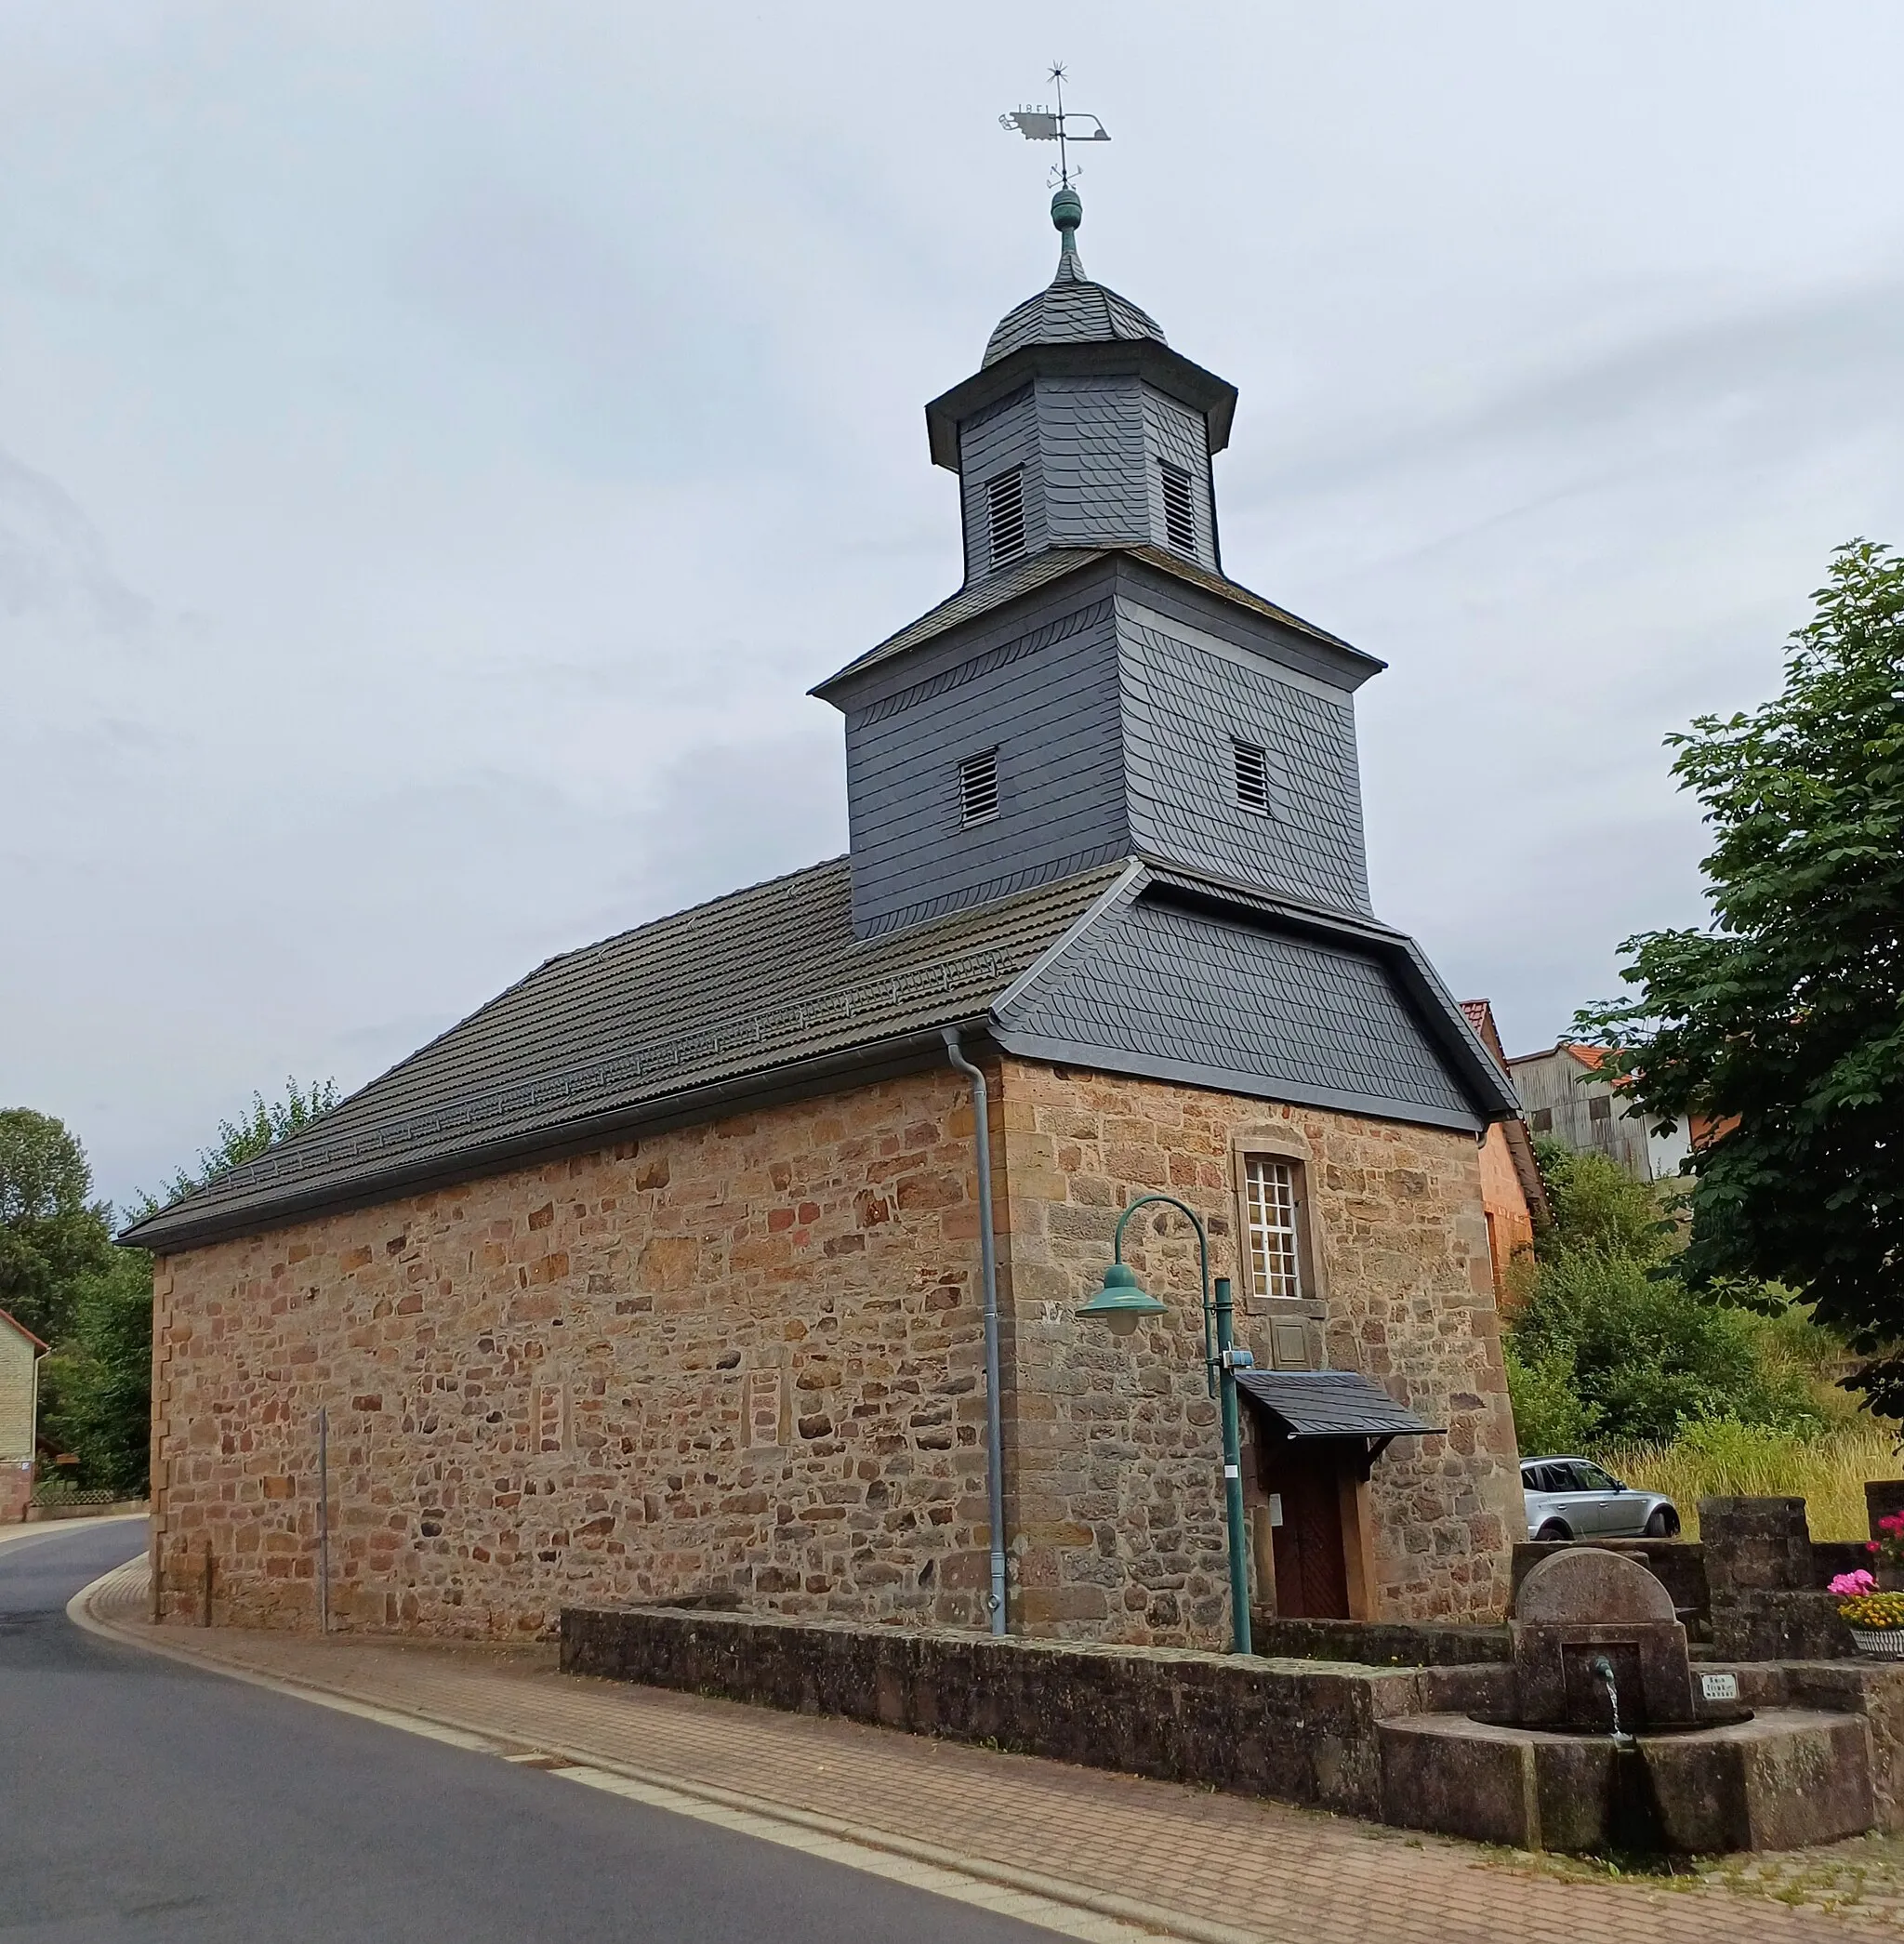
{"points": [[1121, 1302]]}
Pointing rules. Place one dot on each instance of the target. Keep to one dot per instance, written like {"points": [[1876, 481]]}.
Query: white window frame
{"points": [[1273, 1238]]}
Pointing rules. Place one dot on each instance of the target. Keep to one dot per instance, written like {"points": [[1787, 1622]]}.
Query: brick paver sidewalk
{"points": [[1199, 1865]]}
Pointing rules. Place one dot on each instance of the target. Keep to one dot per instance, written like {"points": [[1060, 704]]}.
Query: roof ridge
{"points": [[1130, 880], [981, 594], [621, 1034]]}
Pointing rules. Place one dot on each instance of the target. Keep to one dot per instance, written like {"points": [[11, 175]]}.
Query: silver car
{"points": [[1573, 1498]]}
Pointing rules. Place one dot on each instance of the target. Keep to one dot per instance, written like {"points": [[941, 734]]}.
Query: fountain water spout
{"points": [[1602, 1667]]}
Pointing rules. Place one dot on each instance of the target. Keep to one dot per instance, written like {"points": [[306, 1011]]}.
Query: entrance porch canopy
{"points": [[1310, 1405]]}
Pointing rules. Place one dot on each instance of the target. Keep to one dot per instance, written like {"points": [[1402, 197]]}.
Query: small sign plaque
{"points": [[1275, 1508], [1719, 1688]]}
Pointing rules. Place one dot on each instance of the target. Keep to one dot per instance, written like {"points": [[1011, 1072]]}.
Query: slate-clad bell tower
{"points": [[1082, 428], [1097, 688], [1100, 692]]}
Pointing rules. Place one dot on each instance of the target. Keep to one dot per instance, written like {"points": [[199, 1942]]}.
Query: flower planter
{"points": [[1887, 1643]]}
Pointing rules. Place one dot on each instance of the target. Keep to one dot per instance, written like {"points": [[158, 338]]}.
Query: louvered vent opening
{"points": [[978, 787], [1005, 511], [1253, 777], [1180, 522]]}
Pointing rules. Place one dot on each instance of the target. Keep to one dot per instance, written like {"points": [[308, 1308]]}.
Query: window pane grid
{"points": [[1274, 1270]]}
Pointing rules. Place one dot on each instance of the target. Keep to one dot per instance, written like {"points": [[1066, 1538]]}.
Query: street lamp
{"points": [[1121, 1302]]}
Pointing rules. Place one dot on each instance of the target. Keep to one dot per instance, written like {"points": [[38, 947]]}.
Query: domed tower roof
{"points": [[1071, 309]]}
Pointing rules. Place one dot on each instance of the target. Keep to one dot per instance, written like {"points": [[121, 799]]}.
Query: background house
{"points": [[19, 1394], [1512, 1190], [1570, 1099]]}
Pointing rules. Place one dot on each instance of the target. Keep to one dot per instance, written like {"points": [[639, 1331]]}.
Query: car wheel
{"points": [[1664, 1522], [1553, 1533]]}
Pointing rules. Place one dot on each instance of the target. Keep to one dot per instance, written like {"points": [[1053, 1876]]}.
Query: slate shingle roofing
{"points": [[1071, 310], [993, 590], [1330, 1404], [1119, 922]]}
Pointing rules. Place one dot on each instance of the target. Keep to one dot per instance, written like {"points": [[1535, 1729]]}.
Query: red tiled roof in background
{"points": [[24, 1331], [1592, 1057], [1480, 1015]]}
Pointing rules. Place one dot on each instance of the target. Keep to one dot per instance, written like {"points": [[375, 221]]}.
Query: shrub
{"points": [[1599, 1208], [1645, 1357], [1548, 1412]]}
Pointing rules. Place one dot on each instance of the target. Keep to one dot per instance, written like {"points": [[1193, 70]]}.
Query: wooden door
{"points": [[1311, 1577]]}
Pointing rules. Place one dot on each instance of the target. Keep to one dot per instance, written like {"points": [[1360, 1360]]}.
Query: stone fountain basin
{"points": [[1782, 1778]]}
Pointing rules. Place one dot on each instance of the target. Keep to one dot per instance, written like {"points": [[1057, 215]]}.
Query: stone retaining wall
{"points": [[1378, 1642], [1291, 1730], [108, 1509]]}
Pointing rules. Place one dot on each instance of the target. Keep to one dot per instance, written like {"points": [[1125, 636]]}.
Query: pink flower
{"points": [[1853, 1586], [1870, 1545]]}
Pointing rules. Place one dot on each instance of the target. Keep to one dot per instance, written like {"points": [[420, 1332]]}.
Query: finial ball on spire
{"points": [[1067, 212]]}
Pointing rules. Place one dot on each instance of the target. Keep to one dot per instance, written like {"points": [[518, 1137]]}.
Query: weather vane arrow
{"points": [[1042, 124]]}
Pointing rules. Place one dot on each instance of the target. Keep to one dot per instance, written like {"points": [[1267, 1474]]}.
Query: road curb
{"points": [[28, 1530], [480, 1737]]}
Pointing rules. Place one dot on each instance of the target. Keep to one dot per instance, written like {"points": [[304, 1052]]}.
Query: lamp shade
{"points": [[1121, 1297]]}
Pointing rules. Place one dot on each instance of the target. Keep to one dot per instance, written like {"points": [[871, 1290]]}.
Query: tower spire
{"points": [[1067, 212], [1043, 123]]}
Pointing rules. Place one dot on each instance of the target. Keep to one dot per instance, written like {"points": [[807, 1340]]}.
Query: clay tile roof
{"points": [[600, 1039], [7, 1317], [1479, 1015]]}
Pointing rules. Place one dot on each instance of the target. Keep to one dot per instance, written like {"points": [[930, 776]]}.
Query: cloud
{"points": [[441, 452], [54, 570]]}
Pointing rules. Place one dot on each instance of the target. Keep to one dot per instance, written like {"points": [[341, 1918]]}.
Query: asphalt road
{"points": [[143, 1800]]}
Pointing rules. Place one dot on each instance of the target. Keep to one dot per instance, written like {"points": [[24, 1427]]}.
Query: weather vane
{"points": [[1042, 124]]}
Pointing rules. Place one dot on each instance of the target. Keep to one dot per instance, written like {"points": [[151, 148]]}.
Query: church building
{"points": [[739, 1256]]}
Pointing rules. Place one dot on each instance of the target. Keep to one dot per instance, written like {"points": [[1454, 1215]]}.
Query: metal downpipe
{"points": [[988, 1257]]}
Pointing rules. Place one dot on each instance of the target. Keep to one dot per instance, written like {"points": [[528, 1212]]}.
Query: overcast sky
{"points": [[439, 447]]}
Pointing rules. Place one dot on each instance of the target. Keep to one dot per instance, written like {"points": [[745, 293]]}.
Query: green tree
{"points": [[1550, 1416], [95, 1389], [1597, 1206], [53, 1234], [262, 1125], [1783, 1025]]}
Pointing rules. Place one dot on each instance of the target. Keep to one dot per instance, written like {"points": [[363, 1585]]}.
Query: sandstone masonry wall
{"points": [[744, 1355], [745, 1358], [1114, 1463]]}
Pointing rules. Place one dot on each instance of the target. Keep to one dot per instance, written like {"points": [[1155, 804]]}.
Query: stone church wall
{"points": [[745, 1358], [742, 1356], [1116, 1466]]}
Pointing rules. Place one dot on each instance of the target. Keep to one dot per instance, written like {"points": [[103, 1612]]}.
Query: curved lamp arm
{"points": [[1203, 1258]]}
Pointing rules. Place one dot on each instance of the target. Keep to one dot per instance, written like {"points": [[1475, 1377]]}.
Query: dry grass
{"points": [[1724, 1460]]}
